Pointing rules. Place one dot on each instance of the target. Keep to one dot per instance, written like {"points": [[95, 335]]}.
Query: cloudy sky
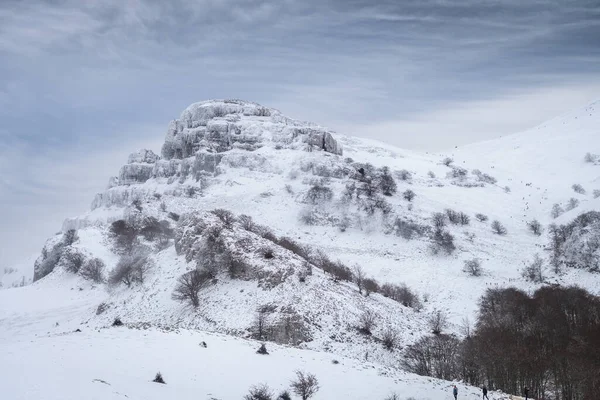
{"points": [[83, 83]]}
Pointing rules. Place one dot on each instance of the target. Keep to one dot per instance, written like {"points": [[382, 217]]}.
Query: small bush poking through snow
{"points": [[226, 217], [498, 228], [305, 385], [447, 161], [262, 349], [596, 193], [393, 396], [535, 227], [371, 286], [431, 174], [577, 188], [72, 259], [463, 218], [260, 392], [159, 378], [481, 217], [117, 322], [130, 269], [590, 158], [473, 267], [442, 240]]}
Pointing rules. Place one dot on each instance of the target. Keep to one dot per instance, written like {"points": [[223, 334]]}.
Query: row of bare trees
{"points": [[548, 342]]}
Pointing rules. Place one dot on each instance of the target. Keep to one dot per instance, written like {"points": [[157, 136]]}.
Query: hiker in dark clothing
{"points": [[485, 396], [526, 393], [455, 392]]}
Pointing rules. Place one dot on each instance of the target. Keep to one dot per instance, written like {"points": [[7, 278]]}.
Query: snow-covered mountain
{"points": [[301, 212]]}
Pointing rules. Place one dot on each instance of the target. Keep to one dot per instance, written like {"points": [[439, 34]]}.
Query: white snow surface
{"points": [[268, 183]]}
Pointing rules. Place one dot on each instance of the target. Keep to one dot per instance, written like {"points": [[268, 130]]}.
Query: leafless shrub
{"points": [[556, 211], [453, 216], [409, 195], [596, 193], [498, 228], [447, 161], [371, 286], [481, 217], [285, 395], [572, 204], [260, 392], [402, 294], [442, 240], [389, 338], [318, 193], [577, 188], [305, 385], [387, 184], [289, 189], [404, 175], [130, 269], [535, 227], [309, 216], [431, 174], [72, 259], [439, 220], [463, 218], [590, 158], [225, 216], [534, 271], [473, 267], [438, 321], [367, 322], [247, 222], [408, 229], [506, 189], [93, 270]]}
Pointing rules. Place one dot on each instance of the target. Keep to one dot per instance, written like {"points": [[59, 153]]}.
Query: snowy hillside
{"points": [[302, 212]]}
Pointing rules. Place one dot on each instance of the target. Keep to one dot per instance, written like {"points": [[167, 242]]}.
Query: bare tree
{"points": [[387, 184], [359, 277], [473, 267], [408, 195], [306, 385], [93, 270], [534, 271], [189, 285], [498, 228], [370, 286], [438, 321], [535, 227], [130, 269], [572, 204]]}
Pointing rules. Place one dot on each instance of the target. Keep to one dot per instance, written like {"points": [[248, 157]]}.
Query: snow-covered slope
{"points": [[321, 190]]}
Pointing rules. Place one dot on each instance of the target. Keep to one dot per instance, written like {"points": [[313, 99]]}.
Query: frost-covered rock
{"points": [[143, 156], [221, 125]]}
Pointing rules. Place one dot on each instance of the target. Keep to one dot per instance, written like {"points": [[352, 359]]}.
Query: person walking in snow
{"points": [[484, 390], [455, 392], [526, 393]]}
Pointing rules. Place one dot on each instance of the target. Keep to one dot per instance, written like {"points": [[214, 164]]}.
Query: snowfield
{"points": [[252, 160]]}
